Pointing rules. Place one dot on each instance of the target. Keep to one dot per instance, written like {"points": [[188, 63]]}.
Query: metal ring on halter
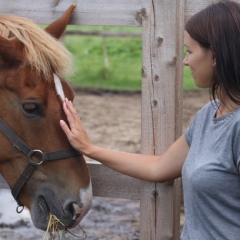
{"points": [[21, 207], [32, 152]]}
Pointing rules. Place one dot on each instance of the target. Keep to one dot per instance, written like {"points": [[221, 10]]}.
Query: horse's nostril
{"points": [[77, 211], [72, 209]]}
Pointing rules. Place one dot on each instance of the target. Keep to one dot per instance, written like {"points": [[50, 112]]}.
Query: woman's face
{"points": [[200, 60]]}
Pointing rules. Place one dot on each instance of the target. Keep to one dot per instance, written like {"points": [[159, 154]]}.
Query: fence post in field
{"points": [[163, 24]]}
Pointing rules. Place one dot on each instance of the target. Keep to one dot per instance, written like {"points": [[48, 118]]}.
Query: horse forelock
{"points": [[41, 51]]}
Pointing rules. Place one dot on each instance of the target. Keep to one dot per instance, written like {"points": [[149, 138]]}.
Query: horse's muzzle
{"points": [[46, 203]]}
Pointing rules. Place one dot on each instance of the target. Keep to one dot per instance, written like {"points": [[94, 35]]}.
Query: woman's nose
{"points": [[185, 61]]}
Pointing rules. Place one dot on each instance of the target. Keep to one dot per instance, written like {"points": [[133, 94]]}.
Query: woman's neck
{"points": [[226, 106]]}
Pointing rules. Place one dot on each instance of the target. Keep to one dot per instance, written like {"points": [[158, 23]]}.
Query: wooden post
{"points": [[161, 101]]}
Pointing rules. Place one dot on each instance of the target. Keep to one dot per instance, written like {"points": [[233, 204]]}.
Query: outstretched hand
{"points": [[75, 132]]}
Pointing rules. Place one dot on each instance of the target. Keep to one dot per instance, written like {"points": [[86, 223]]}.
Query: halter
{"points": [[32, 165]]}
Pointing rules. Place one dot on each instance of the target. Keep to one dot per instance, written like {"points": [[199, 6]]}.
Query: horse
{"points": [[44, 172]]}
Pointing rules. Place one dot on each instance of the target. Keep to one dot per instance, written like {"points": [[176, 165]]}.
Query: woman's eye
{"points": [[31, 108]]}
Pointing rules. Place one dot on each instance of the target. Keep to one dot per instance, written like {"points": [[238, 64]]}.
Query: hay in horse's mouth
{"points": [[54, 229], [54, 226]]}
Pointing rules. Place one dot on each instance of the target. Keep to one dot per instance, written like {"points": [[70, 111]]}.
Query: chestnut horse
{"points": [[45, 174]]}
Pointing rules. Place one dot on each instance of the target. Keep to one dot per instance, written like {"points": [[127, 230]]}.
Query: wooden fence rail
{"points": [[162, 23], [104, 33]]}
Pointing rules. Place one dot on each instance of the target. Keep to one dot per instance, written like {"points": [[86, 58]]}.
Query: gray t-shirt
{"points": [[211, 181]]}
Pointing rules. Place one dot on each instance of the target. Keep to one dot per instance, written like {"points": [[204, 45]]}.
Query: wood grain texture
{"points": [[106, 183], [90, 12], [161, 101], [177, 200], [87, 12], [109, 183], [193, 6], [147, 202]]}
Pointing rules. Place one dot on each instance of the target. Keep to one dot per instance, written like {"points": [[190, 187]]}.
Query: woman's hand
{"points": [[75, 132]]}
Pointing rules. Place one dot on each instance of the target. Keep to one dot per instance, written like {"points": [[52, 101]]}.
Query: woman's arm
{"points": [[147, 167]]}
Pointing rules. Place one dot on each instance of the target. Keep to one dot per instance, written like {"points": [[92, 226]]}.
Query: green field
{"points": [[123, 57]]}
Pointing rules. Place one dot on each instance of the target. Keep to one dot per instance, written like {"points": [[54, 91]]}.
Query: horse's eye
{"points": [[31, 108]]}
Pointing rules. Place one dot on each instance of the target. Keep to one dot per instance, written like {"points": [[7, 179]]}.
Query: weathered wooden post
{"points": [[162, 23]]}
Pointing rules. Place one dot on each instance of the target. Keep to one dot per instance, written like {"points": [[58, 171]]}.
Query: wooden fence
{"points": [[162, 23], [104, 34]]}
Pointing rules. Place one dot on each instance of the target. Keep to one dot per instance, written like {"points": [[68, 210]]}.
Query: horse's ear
{"points": [[57, 28], [11, 49]]}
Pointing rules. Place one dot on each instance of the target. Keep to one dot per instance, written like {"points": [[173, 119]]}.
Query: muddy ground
{"points": [[112, 120]]}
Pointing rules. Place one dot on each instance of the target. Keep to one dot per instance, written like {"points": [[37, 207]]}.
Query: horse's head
{"points": [[32, 66]]}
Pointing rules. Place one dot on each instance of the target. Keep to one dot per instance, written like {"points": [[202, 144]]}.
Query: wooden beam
{"points": [[161, 98], [104, 34], [147, 202], [193, 6], [109, 183], [180, 21], [87, 12], [90, 12], [106, 183]]}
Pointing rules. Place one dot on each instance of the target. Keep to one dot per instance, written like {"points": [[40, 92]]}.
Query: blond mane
{"points": [[41, 51]]}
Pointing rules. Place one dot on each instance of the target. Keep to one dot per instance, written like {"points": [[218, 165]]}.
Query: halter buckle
{"points": [[19, 208], [36, 152]]}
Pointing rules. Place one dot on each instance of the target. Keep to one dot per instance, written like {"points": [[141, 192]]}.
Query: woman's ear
{"points": [[214, 62]]}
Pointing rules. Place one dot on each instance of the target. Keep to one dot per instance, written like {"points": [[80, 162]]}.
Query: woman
{"points": [[207, 155]]}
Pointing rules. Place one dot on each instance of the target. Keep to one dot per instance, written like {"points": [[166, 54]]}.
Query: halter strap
{"points": [[29, 152]]}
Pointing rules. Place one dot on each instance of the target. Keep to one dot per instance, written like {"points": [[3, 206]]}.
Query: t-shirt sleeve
{"points": [[189, 133], [190, 130], [236, 147]]}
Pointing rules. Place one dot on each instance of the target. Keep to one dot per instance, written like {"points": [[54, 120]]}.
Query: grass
{"points": [[124, 56]]}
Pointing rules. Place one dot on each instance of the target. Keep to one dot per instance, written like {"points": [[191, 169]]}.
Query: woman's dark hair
{"points": [[217, 27]]}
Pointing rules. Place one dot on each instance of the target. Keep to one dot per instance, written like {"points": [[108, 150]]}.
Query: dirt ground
{"points": [[113, 121]]}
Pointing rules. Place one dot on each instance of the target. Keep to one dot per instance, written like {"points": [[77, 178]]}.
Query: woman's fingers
{"points": [[69, 111], [72, 116], [65, 128], [70, 107], [75, 131]]}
